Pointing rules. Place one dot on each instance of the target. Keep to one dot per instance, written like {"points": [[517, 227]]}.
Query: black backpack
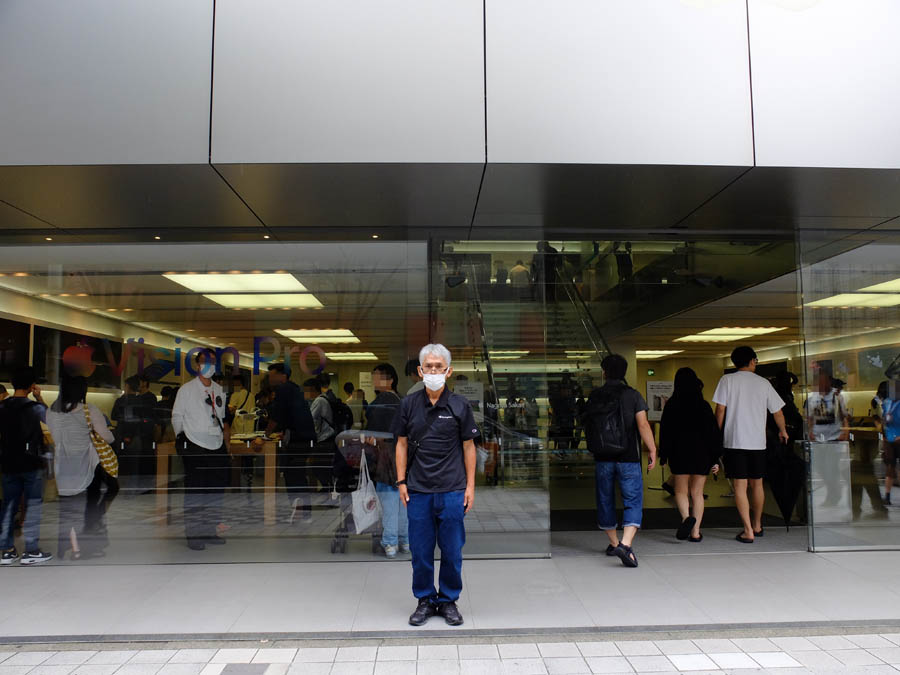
{"points": [[604, 423], [15, 437], [341, 415]]}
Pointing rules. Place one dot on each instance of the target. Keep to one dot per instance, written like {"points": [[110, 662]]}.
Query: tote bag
{"points": [[366, 507], [108, 459]]}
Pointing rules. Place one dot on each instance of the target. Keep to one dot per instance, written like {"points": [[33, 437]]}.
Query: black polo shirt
{"points": [[291, 413], [437, 464]]}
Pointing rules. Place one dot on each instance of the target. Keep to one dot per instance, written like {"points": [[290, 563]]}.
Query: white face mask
{"points": [[434, 381], [207, 370]]}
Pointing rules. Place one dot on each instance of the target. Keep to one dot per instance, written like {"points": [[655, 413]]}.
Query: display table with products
{"points": [[239, 447]]}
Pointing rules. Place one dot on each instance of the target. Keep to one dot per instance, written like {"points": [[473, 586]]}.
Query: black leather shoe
{"points": [[423, 612], [215, 541], [451, 614], [196, 544]]}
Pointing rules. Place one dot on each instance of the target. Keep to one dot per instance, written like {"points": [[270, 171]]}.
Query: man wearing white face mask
{"points": [[201, 433], [435, 453]]}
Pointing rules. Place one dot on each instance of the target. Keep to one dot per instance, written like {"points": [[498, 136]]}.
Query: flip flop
{"points": [[626, 555], [743, 539], [684, 530], [760, 533], [696, 539]]}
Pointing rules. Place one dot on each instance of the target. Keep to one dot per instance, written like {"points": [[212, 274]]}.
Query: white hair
{"points": [[436, 349]]}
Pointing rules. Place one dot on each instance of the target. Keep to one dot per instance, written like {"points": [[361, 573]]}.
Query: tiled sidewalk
{"points": [[813, 654]]}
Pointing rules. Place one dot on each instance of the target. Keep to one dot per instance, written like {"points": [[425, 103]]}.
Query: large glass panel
{"points": [[133, 318], [851, 295]]}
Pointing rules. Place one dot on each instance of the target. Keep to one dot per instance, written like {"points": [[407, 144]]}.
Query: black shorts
{"points": [[891, 453], [745, 463]]}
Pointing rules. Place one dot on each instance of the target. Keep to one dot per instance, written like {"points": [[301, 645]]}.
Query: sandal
{"points": [[741, 538], [696, 539], [760, 533], [684, 530], [610, 550], [626, 555]]}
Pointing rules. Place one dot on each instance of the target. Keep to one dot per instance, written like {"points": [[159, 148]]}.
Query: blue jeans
{"points": [[394, 520], [30, 484], [631, 485], [436, 517]]}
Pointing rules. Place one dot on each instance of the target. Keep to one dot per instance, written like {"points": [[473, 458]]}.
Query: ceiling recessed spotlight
{"points": [[191, 330], [112, 310], [157, 237], [128, 309], [48, 238], [64, 295], [265, 236], [374, 236], [45, 295], [20, 274]]}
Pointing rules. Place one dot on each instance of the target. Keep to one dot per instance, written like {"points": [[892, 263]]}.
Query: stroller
{"points": [[345, 477]]}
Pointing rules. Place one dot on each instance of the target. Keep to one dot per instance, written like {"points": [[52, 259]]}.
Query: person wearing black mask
{"points": [[690, 442]]}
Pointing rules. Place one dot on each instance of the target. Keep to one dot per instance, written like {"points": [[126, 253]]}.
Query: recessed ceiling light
{"points": [[647, 354], [191, 330], [213, 282], [374, 236], [20, 274], [742, 331], [267, 300], [45, 295], [712, 338], [157, 237], [322, 336], [507, 355], [112, 310], [128, 309], [351, 356], [892, 286], [48, 238], [265, 236], [848, 300]]}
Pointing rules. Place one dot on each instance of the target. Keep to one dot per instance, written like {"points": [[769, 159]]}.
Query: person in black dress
{"points": [[690, 442]]}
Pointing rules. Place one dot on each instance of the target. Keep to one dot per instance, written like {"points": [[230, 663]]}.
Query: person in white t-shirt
{"points": [[202, 430], [828, 420], [742, 400]]}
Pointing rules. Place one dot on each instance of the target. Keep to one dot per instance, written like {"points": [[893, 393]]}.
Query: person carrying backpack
{"points": [[615, 421], [22, 464], [341, 415]]}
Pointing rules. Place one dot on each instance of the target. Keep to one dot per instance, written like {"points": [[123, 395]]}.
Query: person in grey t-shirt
{"points": [[742, 399]]}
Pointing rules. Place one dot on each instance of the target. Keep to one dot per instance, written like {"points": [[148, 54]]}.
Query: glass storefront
{"points": [[851, 295], [527, 323]]}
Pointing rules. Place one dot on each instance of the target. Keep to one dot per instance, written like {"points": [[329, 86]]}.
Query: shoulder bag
{"points": [[108, 459]]}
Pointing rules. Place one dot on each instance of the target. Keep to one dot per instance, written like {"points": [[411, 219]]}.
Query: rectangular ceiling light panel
{"points": [[712, 338], [742, 331], [858, 300], [319, 336], [892, 286], [647, 354], [239, 283], [264, 300], [351, 356]]}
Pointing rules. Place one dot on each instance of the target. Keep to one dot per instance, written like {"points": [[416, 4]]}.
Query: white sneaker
{"points": [[390, 551], [404, 548], [296, 511]]}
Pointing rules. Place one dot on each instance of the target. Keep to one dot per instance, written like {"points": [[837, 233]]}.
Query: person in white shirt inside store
{"points": [[828, 420], [202, 432], [742, 399]]}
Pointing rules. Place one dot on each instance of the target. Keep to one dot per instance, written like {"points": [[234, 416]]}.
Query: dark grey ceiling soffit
{"points": [[116, 197], [328, 202], [376, 196]]}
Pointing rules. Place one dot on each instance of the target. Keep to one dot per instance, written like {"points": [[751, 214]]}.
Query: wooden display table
{"points": [[238, 448]]}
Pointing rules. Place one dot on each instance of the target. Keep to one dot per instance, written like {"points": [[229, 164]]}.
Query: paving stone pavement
{"points": [[848, 653]]}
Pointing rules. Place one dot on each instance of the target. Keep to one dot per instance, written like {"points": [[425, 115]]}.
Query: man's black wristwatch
{"points": [[400, 482]]}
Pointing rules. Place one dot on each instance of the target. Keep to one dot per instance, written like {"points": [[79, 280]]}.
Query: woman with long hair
{"points": [[690, 442], [79, 474]]}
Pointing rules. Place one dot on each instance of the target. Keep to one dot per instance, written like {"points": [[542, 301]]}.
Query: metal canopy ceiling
{"points": [[327, 202]]}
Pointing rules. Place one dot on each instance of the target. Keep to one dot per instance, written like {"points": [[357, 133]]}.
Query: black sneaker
{"points": [[35, 557], [451, 614], [423, 612], [9, 557]]}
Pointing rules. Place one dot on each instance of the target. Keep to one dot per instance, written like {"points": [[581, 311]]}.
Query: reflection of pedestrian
{"points": [[290, 416], [545, 267], [200, 431], [22, 464], [382, 411], [828, 421], [519, 276], [502, 273], [890, 416], [80, 477]]}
